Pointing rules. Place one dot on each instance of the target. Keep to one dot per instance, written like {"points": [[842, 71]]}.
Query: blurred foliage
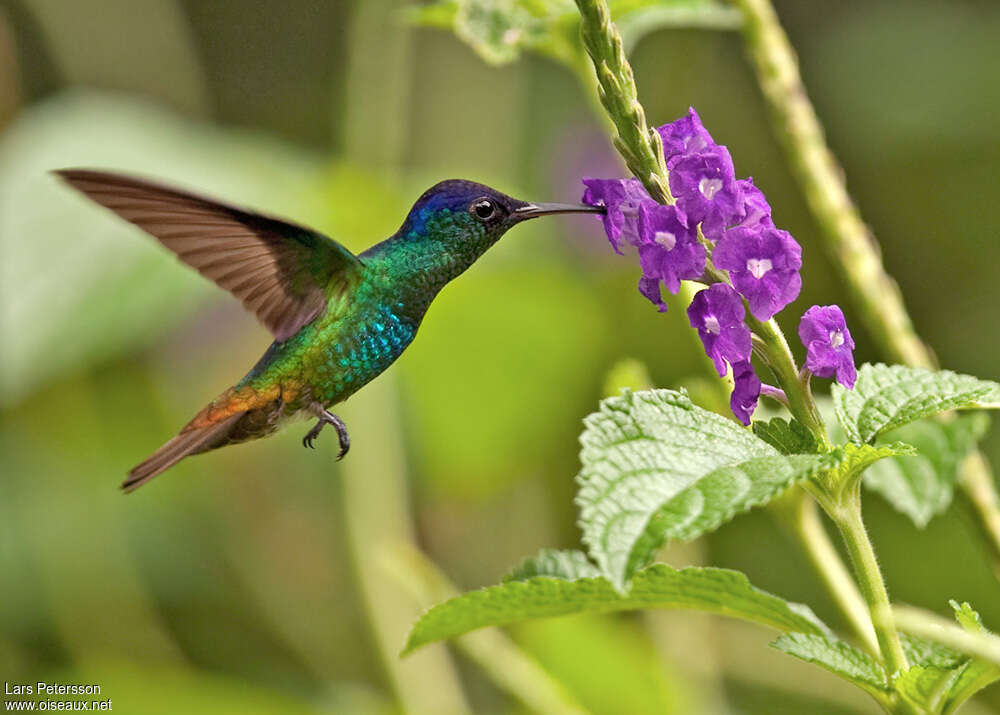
{"points": [[230, 584]]}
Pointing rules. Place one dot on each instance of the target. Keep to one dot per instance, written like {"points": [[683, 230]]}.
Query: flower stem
{"points": [[640, 146], [774, 350], [851, 245], [797, 512], [846, 514]]}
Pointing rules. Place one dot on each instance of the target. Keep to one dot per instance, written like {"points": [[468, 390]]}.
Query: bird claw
{"points": [[328, 418]]}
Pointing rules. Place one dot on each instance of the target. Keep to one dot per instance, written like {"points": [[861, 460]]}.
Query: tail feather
{"points": [[188, 442]]}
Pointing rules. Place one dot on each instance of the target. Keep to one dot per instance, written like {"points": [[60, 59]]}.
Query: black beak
{"points": [[535, 210]]}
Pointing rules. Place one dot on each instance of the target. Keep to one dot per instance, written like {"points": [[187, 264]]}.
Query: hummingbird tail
{"points": [[191, 440]]}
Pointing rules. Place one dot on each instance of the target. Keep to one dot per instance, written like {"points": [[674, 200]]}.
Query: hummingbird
{"points": [[338, 319]]}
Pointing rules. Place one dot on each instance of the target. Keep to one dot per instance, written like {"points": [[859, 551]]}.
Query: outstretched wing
{"points": [[283, 273]]}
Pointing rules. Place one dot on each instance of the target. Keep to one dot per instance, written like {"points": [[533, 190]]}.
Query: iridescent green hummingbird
{"points": [[338, 319]]}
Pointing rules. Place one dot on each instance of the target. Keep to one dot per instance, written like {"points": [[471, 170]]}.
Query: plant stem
{"points": [[778, 355], [849, 242], [846, 514], [798, 513]]}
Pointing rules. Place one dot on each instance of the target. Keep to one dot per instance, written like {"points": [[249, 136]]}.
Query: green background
{"points": [[254, 579]]}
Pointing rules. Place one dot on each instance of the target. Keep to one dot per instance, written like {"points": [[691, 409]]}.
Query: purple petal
{"points": [[829, 345], [706, 191], [717, 314], [684, 136], [668, 249], [763, 264], [746, 391], [621, 198]]}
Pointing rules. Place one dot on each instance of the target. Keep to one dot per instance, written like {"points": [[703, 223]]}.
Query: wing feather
{"points": [[282, 272]]}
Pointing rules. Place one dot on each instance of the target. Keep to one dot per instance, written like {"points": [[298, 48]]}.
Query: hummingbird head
{"points": [[449, 227], [464, 213]]}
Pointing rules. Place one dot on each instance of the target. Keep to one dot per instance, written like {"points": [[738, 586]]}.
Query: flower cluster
{"points": [[720, 222]]}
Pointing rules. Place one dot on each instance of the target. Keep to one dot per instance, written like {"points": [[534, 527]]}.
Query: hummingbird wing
{"points": [[283, 273]]}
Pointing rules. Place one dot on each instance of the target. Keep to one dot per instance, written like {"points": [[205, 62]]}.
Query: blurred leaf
{"points": [[482, 376], [921, 485], [657, 467], [499, 30], [607, 663], [103, 286], [153, 689], [889, 396], [679, 14], [714, 590], [838, 657], [627, 373], [788, 436], [566, 565]]}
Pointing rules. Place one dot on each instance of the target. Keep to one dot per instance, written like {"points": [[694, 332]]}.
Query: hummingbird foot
{"points": [[328, 418]]}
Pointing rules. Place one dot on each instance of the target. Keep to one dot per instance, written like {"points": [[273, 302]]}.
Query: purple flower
{"points": [[668, 251], [829, 346], [746, 391], [756, 210], [684, 136], [763, 264], [621, 198], [706, 191], [717, 313]]}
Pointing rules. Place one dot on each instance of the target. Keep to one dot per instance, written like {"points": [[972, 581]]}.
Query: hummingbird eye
{"points": [[484, 209]]}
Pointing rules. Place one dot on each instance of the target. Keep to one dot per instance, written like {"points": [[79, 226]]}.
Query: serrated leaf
{"points": [[920, 651], [889, 396], [844, 465], [967, 617], [568, 565], [974, 676], [838, 657], [788, 436], [714, 590], [978, 673], [657, 467], [949, 677], [927, 686], [921, 486]]}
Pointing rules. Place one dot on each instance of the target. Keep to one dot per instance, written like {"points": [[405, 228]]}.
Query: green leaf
{"points": [[978, 673], [660, 15], [920, 651], [921, 486], [927, 686], [838, 657], [967, 617], [787, 436], [943, 678], [844, 465], [499, 30], [889, 396], [657, 467], [566, 565], [719, 591]]}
